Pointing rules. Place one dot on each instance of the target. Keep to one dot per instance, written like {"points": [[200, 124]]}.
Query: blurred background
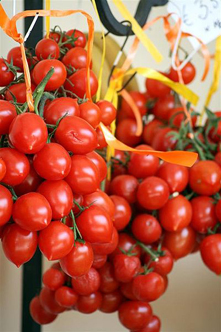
{"points": [[192, 302]]}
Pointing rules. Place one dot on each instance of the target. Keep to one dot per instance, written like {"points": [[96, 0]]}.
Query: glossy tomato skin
{"points": [[56, 240], [7, 114], [99, 162], [28, 133], [39, 314], [163, 265], [176, 176], [134, 315], [205, 178], [188, 73], [90, 112], [89, 303], [108, 112], [99, 261], [75, 58], [126, 132], [78, 35], [76, 135], [47, 48], [47, 300], [59, 107], [154, 325], [14, 55], [122, 213], [148, 164], [66, 297], [150, 130], [19, 245], [164, 140], [17, 166], [108, 281], [57, 79], [126, 267], [204, 216], [163, 106], [88, 283], [157, 89], [32, 212], [180, 243], [210, 250], [126, 242], [100, 199], [2, 169], [78, 261], [177, 115], [111, 301], [83, 177], [29, 184], [176, 214], [148, 287], [140, 101], [77, 83], [6, 204], [126, 290], [52, 162], [19, 91], [153, 193], [125, 186], [53, 278], [109, 247], [218, 210], [59, 195], [6, 76], [146, 228], [95, 225]]}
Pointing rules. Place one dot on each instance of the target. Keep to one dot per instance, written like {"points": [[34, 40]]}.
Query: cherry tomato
{"points": [[218, 210], [19, 245], [6, 204], [56, 240], [89, 303], [204, 216], [77, 83], [66, 297], [53, 278], [2, 169], [148, 164], [33, 136], [135, 315], [123, 212], [59, 195], [101, 142], [7, 114], [126, 290], [30, 183], [163, 265], [55, 36], [79, 260], [215, 133], [153, 193], [176, 116], [95, 225], [125, 186], [108, 281], [148, 287], [150, 130], [83, 177], [107, 248], [57, 79], [78, 35], [14, 56], [126, 242], [156, 88], [75, 58], [126, 132], [210, 250], [163, 106], [59, 107], [90, 112], [52, 162], [188, 73], [47, 300], [140, 101], [205, 178], [39, 314], [108, 112], [6, 76], [76, 135], [47, 48], [153, 325], [164, 140], [18, 90], [99, 162], [126, 267], [180, 243], [102, 200], [176, 176], [88, 283], [217, 158], [119, 163], [146, 228], [17, 166], [111, 301], [99, 261], [32, 212]]}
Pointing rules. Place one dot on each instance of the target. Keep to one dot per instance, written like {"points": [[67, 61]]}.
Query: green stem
{"points": [[40, 89], [14, 196], [46, 96], [154, 256]]}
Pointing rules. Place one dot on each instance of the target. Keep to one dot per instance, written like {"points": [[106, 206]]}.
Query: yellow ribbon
{"points": [[48, 7]]}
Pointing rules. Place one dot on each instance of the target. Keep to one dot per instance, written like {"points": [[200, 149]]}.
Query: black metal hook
{"points": [[118, 28]]}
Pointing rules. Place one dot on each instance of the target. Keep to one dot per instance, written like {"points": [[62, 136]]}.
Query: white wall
{"points": [[192, 302]]}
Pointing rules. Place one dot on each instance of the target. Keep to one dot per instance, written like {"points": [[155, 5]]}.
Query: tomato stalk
{"points": [[46, 96], [14, 196], [75, 228], [153, 253]]}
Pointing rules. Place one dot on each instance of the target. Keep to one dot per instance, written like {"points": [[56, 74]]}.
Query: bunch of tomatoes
{"points": [[115, 247]]}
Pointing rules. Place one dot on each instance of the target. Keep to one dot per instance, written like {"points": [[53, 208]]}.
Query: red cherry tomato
{"points": [[126, 267], [218, 210], [204, 216], [205, 178], [126, 132], [108, 112], [163, 106], [126, 242], [180, 243], [123, 212], [163, 265], [6, 204], [150, 130], [17, 166], [102, 200], [19, 245], [78, 35], [39, 314], [6, 76], [48, 302], [89, 303], [66, 297], [153, 193], [176, 176], [53, 278], [108, 280], [47, 48], [55, 36], [140, 101], [78, 261], [146, 228], [99, 162], [126, 290], [14, 56], [135, 315], [90, 112], [164, 140], [125, 186], [59, 107], [33, 136], [101, 142], [215, 133], [18, 90], [210, 249], [56, 240], [7, 114], [29, 184], [107, 248], [148, 287], [176, 116], [75, 58], [218, 158], [99, 261], [76, 135], [111, 301], [32, 212], [77, 83], [57, 79], [156, 88], [188, 73], [2, 169], [83, 177], [153, 325], [88, 283]]}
